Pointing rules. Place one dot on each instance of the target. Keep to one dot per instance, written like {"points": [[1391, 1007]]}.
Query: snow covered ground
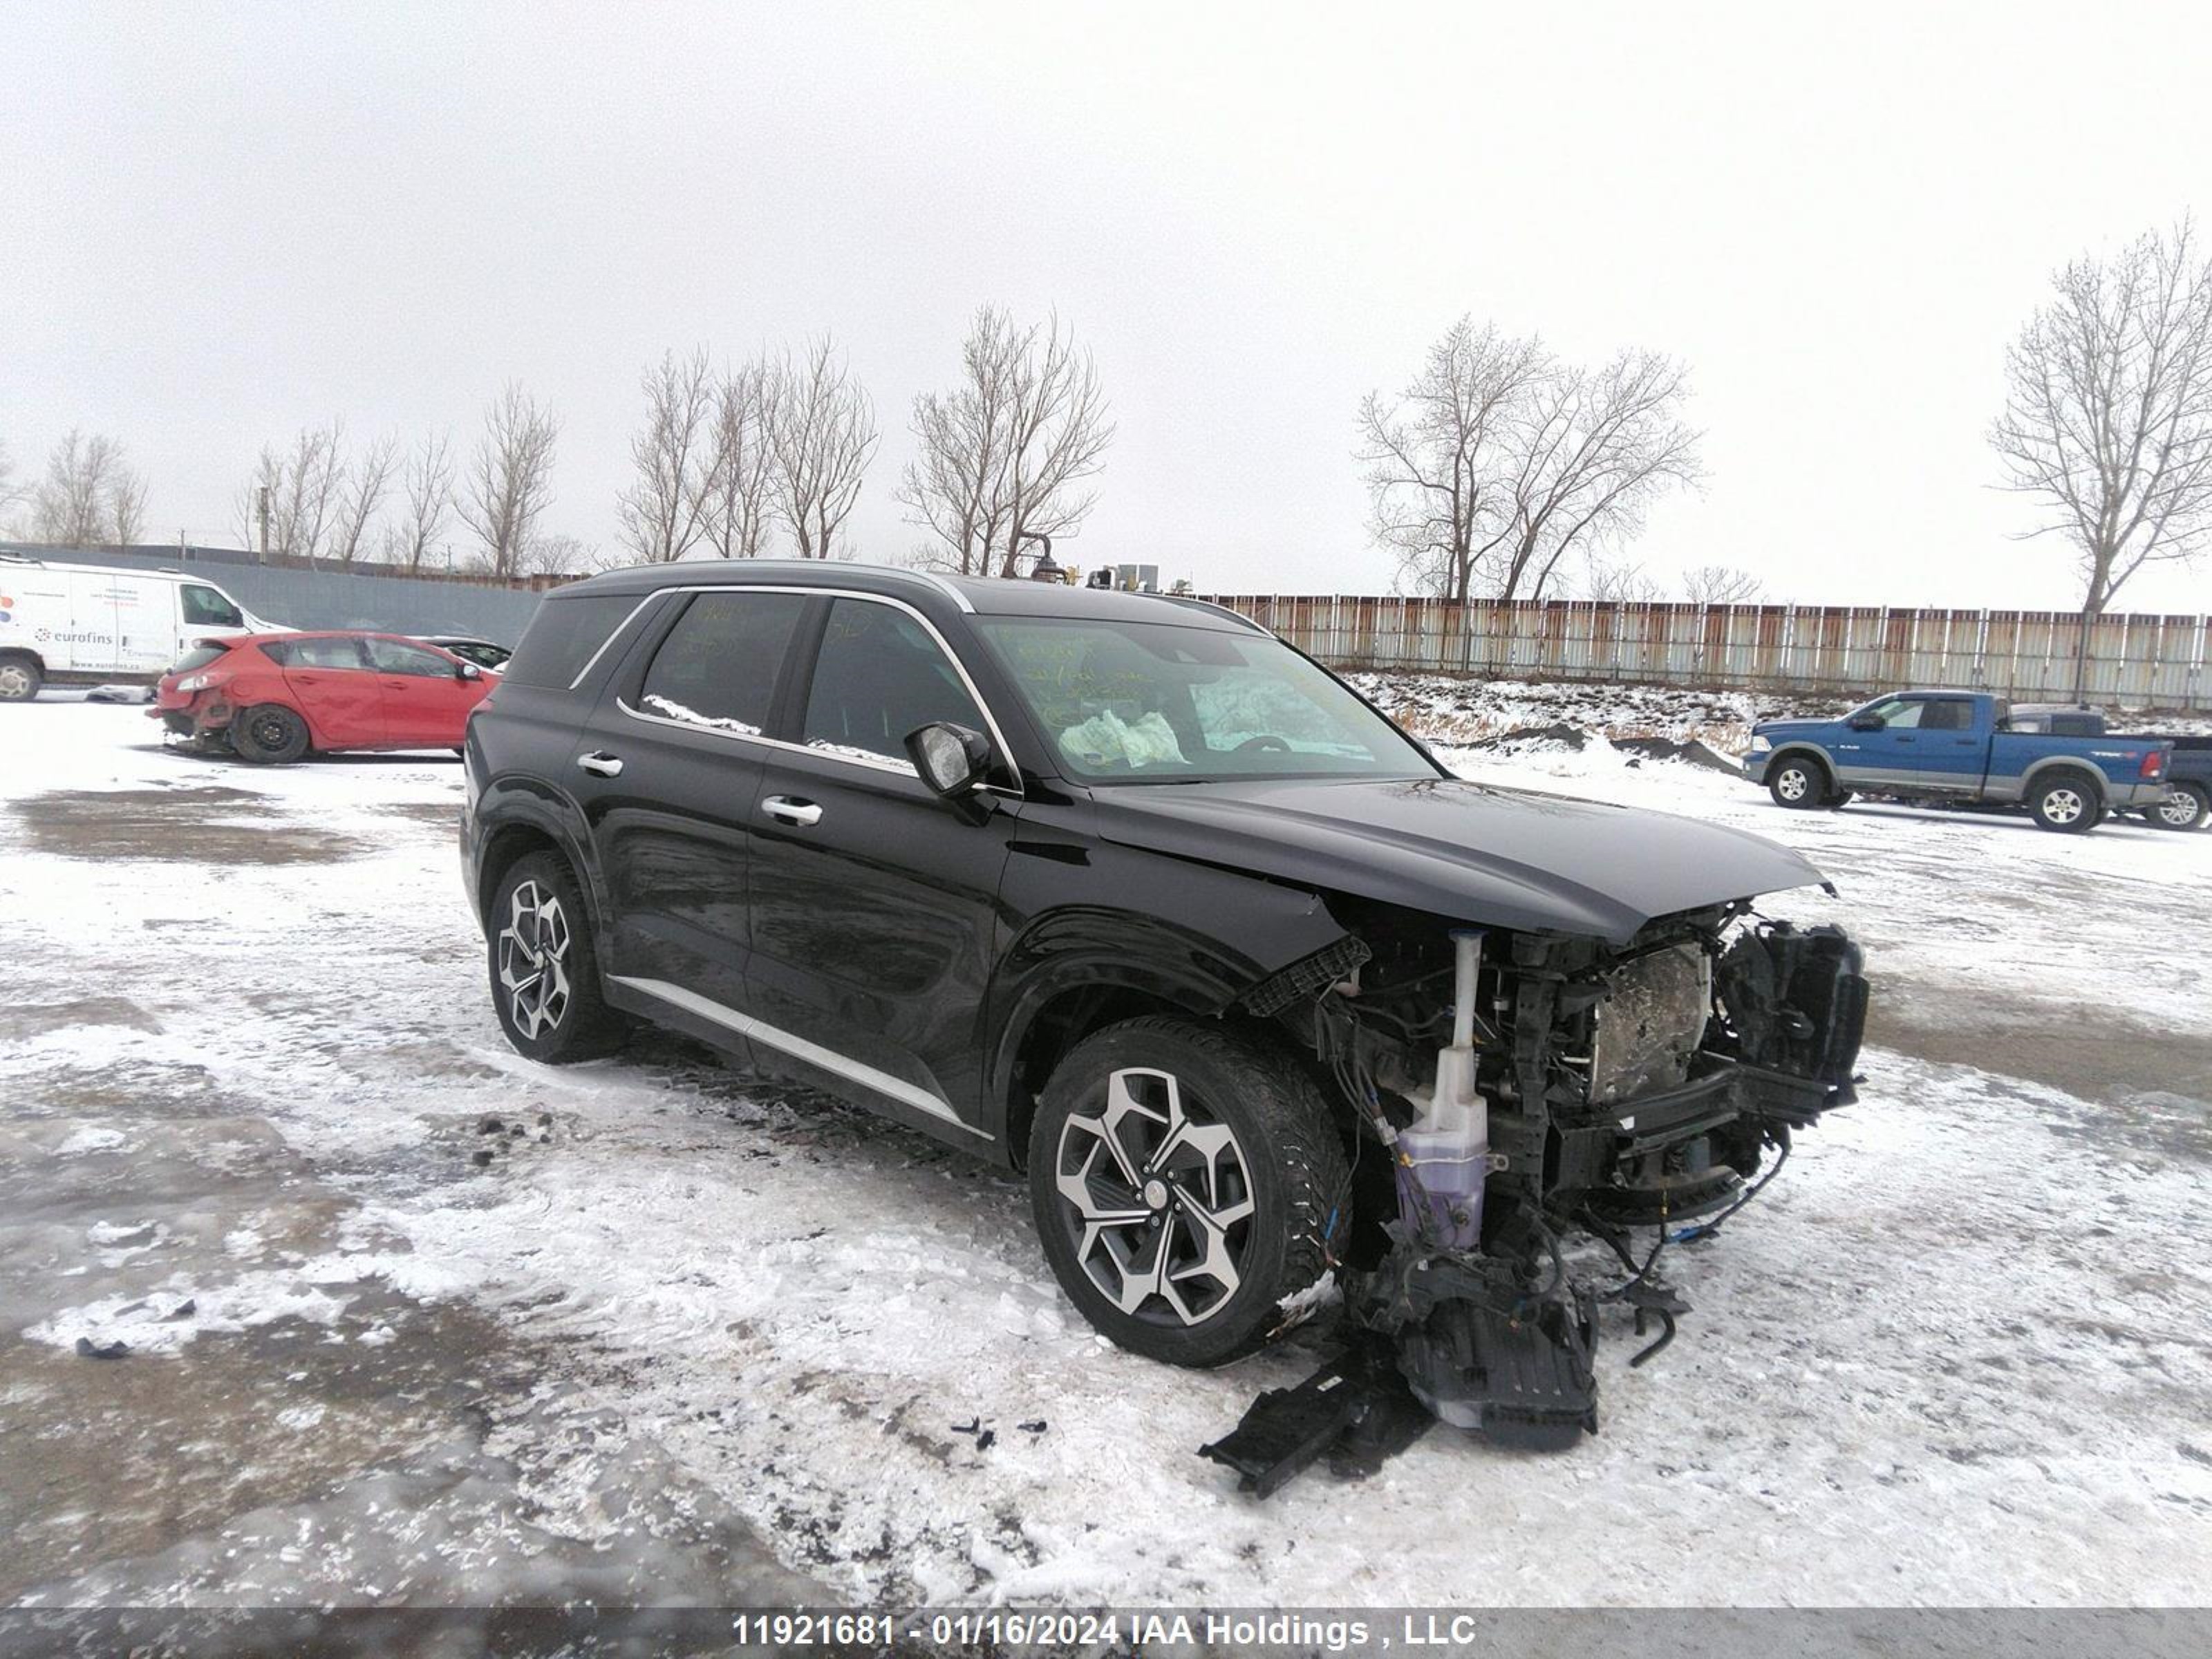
{"points": [[667, 1334]]}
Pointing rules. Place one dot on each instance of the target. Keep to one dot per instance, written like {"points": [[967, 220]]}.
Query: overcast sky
{"points": [[219, 224]]}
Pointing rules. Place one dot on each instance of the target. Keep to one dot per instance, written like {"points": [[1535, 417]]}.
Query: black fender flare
{"points": [[512, 804], [1088, 947]]}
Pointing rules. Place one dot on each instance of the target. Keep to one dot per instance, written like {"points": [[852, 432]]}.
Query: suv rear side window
{"points": [[563, 635], [879, 676], [719, 665]]}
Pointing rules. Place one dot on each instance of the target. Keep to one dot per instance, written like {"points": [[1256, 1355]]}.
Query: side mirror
{"points": [[950, 758], [1866, 722], [468, 670]]}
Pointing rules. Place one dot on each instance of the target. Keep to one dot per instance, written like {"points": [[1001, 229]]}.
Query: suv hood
{"points": [[1467, 851]]}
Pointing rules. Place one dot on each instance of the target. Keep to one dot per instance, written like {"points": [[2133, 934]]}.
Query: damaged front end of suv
{"points": [[1520, 1092]]}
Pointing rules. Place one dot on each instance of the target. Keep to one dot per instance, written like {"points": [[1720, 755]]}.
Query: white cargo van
{"points": [[88, 625]]}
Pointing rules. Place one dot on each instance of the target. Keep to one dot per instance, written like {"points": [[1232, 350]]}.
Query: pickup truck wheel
{"points": [[1186, 1184], [2185, 806], [1798, 783], [544, 967], [19, 678], [269, 734], [2067, 802]]}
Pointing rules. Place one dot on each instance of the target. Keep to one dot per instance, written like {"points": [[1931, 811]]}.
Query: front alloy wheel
{"points": [[1796, 783], [1189, 1188], [1157, 1197]]}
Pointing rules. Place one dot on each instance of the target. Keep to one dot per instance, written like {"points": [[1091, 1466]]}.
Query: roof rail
{"points": [[1208, 605]]}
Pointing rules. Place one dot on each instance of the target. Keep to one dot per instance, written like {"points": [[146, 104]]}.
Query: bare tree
{"points": [[361, 490], [821, 433], [735, 503], [13, 493], [509, 479], [1440, 457], [2108, 417], [1005, 454], [1618, 582], [660, 508], [428, 488], [1594, 448], [303, 484], [561, 555], [86, 489], [1721, 584], [126, 506]]}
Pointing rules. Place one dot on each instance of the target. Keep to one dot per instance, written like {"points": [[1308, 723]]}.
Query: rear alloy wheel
{"points": [[2066, 802], [1186, 1184], [1798, 784], [545, 972], [269, 734], [19, 679], [2185, 806]]}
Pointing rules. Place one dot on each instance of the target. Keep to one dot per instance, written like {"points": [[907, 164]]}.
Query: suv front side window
{"points": [[879, 676], [717, 669]]}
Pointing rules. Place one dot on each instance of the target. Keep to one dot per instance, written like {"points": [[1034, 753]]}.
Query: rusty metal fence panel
{"points": [[2029, 656]]}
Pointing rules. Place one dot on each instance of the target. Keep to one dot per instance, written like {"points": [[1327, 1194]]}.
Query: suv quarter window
{"points": [[718, 667], [880, 673]]}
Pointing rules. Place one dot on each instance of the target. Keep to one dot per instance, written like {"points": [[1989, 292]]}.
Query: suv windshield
{"points": [[1151, 701]]}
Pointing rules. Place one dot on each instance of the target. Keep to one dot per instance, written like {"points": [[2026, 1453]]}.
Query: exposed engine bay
{"points": [[1514, 1091]]}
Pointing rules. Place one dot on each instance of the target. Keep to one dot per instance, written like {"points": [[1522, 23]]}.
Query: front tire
{"points": [[21, 676], [1798, 784], [2067, 802], [2185, 806], [269, 734], [1187, 1186], [544, 966]]}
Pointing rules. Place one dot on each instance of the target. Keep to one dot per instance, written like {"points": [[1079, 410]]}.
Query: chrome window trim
{"points": [[944, 585], [620, 628], [908, 1093], [883, 764]]}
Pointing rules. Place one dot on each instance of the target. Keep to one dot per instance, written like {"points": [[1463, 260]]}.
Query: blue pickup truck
{"points": [[1957, 749]]}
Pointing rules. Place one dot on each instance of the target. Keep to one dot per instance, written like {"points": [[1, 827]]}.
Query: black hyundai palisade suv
{"points": [[1124, 891]]}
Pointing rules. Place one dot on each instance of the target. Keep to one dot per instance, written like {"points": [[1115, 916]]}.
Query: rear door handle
{"points": [[601, 765], [800, 814]]}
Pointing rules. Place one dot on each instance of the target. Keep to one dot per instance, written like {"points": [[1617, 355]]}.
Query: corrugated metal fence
{"points": [[2140, 661], [330, 597]]}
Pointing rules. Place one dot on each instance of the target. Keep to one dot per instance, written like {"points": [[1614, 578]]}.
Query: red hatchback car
{"points": [[277, 697]]}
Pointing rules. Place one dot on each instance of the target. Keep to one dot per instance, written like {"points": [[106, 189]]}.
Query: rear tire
{"points": [[1226, 1174], [1798, 784], [2186, 805], [2067, 801], [269, 734], [21, 676], [544, 966]]}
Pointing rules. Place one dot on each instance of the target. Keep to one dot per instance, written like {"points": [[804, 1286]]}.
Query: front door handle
{"points": [[800, 814], [601, 765]]}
